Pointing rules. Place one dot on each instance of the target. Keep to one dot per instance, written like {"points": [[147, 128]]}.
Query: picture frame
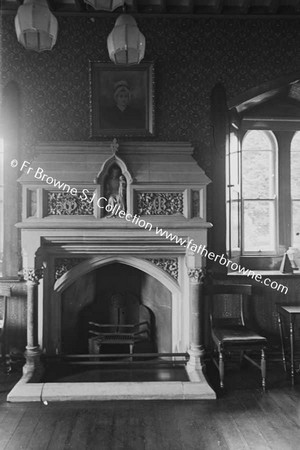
{"points": [[121, 99]]}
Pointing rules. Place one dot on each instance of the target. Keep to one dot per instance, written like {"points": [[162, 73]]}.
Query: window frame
{"points": [[275, 199], [296, 200], [284, 133], [1, 206]]}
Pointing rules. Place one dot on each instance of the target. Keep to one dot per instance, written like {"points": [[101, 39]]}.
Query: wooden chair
{"points": [[5, 292], [231, 333]]}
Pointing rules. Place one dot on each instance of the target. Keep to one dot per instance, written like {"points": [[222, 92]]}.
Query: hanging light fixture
{"points": [[36, 27], [105, 5], [126, 44]]}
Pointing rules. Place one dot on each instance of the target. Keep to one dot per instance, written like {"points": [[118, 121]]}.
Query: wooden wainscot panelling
{"points": [[16, 317]]}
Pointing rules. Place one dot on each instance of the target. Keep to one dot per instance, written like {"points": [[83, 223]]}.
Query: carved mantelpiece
{"points": [[63, 203], [195, 274], [62, 265], [32, 275], [162, 180], [160, 203], [69, 234], [167, 264]]}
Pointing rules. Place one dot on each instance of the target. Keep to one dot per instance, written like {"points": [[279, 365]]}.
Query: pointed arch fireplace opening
{"points": [[116, 294]]}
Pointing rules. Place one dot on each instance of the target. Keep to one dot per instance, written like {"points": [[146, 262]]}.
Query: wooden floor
{"points": [[243, 418]]}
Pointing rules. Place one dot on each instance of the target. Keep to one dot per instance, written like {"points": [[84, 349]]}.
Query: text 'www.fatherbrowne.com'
{"points": [[221, 259], [117, 211]]}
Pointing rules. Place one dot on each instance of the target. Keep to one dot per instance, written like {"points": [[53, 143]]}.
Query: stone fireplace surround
{"points": [[64, 238]]}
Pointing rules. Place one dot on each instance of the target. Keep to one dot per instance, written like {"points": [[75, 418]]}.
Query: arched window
{"points": [[259, 192], [295, 189], [263, 174], [1, 205], [263, 193]]}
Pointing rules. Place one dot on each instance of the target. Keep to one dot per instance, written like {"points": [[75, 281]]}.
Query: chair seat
{"points": [[237, 334]]}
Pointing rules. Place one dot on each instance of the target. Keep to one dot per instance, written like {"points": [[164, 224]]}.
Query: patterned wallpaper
{"points": [[190, 57]]}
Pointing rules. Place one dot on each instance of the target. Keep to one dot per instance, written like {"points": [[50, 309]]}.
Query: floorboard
{"points": [[242, 418], [228, 427], [246, 424], [61, 435], [272, 435], [9, 425], [25, 430]]}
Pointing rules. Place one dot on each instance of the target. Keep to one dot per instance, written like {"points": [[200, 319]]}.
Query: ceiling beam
{"points": [[195, 9]]}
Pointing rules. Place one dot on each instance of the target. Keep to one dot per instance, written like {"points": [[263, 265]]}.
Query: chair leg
{"points": [[221, 368], [263, 370]]}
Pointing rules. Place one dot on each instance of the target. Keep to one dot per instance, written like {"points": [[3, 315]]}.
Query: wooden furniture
{"points": [[288, 312], [230, 333], [5, 292]]}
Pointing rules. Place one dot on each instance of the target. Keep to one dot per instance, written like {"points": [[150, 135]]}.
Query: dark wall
{"points": [[190, 57]]}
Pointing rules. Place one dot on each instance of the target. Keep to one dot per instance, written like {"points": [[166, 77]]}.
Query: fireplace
{"points": [[96, 223], [116, 294]]}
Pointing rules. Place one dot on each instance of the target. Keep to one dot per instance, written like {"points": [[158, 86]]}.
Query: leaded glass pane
{"points": [[258, 174], [296, 223], [295, 167], [259, 226], [259, 140]]}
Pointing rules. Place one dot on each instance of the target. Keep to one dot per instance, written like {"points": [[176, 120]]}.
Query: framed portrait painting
{"points": [[121, 99]]}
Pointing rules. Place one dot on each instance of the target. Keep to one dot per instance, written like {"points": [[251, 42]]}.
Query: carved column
{"points": [[32, 370], [196, 318]]}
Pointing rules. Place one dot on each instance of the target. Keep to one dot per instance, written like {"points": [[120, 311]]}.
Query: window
{"points": [[259, 192], [1, 206], [263, 192], [295, 189], [233, 194]]}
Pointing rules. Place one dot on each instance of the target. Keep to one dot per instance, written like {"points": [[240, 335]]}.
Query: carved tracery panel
{"points": [[66, 204], [159, 203]]}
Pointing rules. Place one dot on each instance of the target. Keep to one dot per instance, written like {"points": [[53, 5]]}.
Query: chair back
{"points": [[226, 303]]}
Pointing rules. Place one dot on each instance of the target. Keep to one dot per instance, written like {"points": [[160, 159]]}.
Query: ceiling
{"points": [[175, 8]]}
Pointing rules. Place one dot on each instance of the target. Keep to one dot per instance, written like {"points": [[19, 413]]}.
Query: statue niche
{"points": [[115, 191]]}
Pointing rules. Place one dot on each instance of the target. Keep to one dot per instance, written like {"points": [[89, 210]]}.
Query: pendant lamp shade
{"points": [[126, 44], [36, 27], [105, 5]]}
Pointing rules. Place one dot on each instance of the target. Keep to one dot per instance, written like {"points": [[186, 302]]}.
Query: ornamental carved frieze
{"points": [[159, 203], [62, 265], [66, 204], [32, 275], [169, 265]]}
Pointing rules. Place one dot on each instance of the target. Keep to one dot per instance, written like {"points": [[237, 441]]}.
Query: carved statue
{"points": [[116, 191]]}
